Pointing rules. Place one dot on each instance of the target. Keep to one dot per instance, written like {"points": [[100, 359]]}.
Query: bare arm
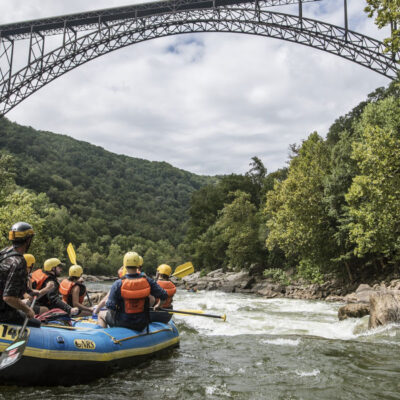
{"points": [[101, 304], [75, 300], [18, 304]]}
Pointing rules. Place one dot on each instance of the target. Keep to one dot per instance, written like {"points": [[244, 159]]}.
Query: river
{"points": [[267, 349]]}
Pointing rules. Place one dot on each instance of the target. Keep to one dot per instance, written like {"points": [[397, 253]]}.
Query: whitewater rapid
{"points": [[250, 315]]}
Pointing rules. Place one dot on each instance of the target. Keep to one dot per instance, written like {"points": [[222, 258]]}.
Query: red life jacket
{"points": [[66, 288], [134, 292], [38, 279], [170, 288]]}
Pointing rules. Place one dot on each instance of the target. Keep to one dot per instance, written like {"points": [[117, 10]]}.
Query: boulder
{"points": [[270, 290], [227, 288], [363, 293], [216, 273], [384, 309], [94, 297], [353, 310]]}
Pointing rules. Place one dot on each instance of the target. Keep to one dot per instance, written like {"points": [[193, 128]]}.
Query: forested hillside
{"points": [[98, 197]]}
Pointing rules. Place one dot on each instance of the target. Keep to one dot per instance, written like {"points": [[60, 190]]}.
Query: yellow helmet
{"points": [[75, 270], [51, 263], [131, 259], [164, 269], [141, 260], [30, 260]]}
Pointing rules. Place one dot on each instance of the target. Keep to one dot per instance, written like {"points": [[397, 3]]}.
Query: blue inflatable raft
{"points": [[67, 355]]}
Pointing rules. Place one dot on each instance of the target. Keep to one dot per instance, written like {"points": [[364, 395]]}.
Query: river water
{"points": [[267, 349]]}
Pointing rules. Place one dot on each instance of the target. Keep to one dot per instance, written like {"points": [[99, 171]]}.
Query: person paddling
{"points": [[73, 290], [47, 283], [128, 301], [163, 280], [14, 276]]}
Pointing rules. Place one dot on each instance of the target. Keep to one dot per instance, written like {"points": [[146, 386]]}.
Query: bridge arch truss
{"points": [[79, 38]]}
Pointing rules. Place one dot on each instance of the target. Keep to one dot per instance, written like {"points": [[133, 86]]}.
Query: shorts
{"points": [[159, 316], [112, 320]]}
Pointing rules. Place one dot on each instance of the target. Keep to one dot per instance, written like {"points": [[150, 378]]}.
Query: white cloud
{"points": [[206, 103]]}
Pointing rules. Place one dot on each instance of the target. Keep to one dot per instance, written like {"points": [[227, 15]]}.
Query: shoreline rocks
{"points": [[244, 282]]}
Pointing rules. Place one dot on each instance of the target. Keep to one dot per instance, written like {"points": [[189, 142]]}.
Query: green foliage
{"points": [[374, 196], [297, 219], [238, 224], [104, 193], [277, 275], [310, 272], [224, 229], [387, 14]]}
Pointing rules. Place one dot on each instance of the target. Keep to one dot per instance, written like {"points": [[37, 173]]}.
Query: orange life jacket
{"points": [[65, 289], [170, 288], [134, 292], [38, 279]]}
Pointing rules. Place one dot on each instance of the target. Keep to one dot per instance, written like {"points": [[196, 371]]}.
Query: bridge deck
{"points": [[54, 25]]}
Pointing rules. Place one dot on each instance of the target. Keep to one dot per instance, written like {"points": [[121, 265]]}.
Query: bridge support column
{"points": [[301, 13], [346, 21]]}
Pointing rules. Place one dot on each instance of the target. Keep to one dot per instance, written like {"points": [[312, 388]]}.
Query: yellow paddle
{"points": [[72, 258], [183, 270], [71, 254]]}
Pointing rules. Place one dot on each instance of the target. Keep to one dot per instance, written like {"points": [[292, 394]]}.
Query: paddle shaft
{"points": [[89, 300], [223, 317], [26, 319]]}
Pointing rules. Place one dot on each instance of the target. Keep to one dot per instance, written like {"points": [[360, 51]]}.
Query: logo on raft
{"points": [[84, 344]]}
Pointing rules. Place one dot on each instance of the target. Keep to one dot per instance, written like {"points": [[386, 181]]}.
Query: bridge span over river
{"points": [[51, 47]]}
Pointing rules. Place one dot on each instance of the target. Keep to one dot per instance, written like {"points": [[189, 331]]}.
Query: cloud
{"points": [[204, 102]]}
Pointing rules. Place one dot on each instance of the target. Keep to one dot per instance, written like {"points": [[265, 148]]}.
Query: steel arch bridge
{"points": [[51, 47]]}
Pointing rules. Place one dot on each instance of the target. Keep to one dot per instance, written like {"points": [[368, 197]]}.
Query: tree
{"points": [[298, 222], [238, 226], [374, 196], [387, 14]]}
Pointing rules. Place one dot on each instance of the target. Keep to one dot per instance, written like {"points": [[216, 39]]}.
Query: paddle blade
{"points": [[71, 254], [12, 353], [183, 270]]}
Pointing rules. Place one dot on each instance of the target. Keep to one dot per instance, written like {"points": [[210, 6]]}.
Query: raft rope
{"points": [[116, 341]]}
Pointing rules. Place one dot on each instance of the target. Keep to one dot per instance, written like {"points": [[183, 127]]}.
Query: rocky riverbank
{"points": [[243, 282]]}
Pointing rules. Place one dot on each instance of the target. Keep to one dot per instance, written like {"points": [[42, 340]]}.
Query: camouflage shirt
{"points": [[13, 278]]}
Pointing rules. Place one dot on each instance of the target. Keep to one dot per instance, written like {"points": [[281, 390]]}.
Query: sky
{"points": [[206, 102]]}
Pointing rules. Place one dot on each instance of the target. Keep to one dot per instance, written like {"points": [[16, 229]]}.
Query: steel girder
{"points": [[78, 48]]}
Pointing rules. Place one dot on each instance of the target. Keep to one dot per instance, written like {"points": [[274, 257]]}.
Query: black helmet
{"points": [[20, 232]]}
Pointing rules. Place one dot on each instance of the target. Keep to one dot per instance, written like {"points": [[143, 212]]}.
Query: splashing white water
{"points": [[248, 314]]}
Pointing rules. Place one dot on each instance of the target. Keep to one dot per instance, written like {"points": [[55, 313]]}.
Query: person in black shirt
{"points": [[14, 276]]}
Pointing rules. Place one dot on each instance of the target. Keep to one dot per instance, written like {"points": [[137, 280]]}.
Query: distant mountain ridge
{"points": [[126, 195]]}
